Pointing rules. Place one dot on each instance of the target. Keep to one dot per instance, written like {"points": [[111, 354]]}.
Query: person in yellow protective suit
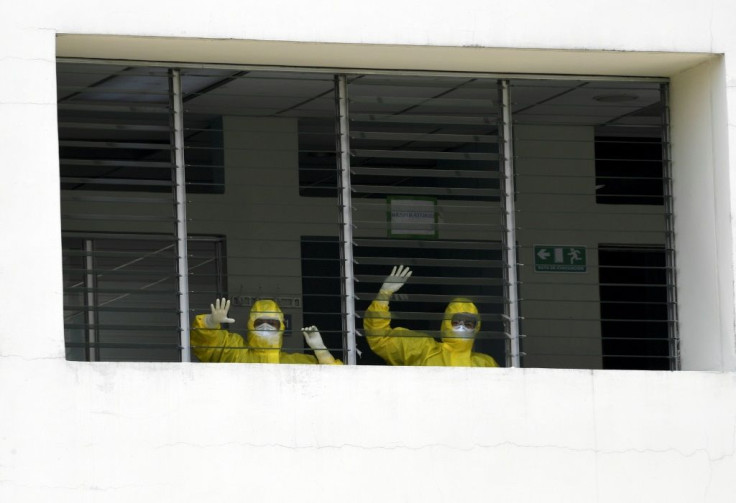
{"points": [[262, 343], [401, 346]]}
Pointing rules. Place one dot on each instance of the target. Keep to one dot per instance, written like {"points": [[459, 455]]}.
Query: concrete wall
{"points": [[117, 432]]}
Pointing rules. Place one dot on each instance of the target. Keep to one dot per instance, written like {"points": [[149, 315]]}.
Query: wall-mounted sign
{"points": [[412, 217], [560, 258]]}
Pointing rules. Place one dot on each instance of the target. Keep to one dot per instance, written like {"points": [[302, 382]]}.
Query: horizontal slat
{"points": [[439, 262], [598, 355], [424, 119], [425, 137], [115, 108], [566, 178], [80, 290], [115, 144], [588, 338], [426, 154], [482, 335], [420, 101], [609, 230], [131, 256], [596, 285], [105, 309], [429, 173], [122, 345], [483, 226], [118, 217], [596, 320], [116, 181], [442, 300], [429, 244], [127, 275], [531, 300], [426, 191], [105, 126], [397, 314], [143, 328], [163, 199], [115, 163], [435, 280]]}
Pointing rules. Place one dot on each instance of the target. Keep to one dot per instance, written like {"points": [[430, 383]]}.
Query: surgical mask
{"points": [[462, 331], [267, 332]]}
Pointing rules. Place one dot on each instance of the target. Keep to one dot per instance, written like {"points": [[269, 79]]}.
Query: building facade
{"points": [[265, 98]]}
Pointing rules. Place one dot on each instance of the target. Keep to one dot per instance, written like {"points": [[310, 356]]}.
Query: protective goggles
{"points": [[467, 319], [269, 321]]}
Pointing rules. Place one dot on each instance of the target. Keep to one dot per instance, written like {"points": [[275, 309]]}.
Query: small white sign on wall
{"points": [[412, 217]]}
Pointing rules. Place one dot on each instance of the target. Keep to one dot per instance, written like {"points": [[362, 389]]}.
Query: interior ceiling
{"points": [[212, 93]]}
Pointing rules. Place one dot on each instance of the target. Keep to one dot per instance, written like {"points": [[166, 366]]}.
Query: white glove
{"points": [[219, 313], [394, 281], [313, 337]]}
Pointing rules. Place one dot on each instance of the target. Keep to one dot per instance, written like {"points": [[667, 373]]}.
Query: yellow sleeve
{"points": [[482, 360], [216, 345], [377, 319], [397, 346]]}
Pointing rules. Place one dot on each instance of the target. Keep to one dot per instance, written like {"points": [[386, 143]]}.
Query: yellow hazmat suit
{"points": [[218, 345], [401, 346]]}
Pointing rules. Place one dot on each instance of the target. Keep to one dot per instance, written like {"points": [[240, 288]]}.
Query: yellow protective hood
{"points": [[458, 305], [265, 308]]}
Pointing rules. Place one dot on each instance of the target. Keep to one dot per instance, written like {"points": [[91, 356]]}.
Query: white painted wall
{"points": [[703, 216], [215, 432], [168, 432]]}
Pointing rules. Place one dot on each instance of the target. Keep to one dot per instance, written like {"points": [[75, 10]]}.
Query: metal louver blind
{"points": [[426, 193], [593, 214], [118, 223], [261, 170]]}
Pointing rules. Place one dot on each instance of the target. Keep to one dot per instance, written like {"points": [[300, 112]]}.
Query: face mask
{"points": [[462, 331], [267, 332]]}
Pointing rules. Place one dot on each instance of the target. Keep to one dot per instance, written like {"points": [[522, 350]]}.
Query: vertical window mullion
{"points": [[674, 337], [513, 356], [346, 221], [177, 118]]}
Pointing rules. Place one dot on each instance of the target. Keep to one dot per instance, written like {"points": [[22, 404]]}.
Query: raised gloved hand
{"points": [[314, 340], [394, 281], [218, 313]]}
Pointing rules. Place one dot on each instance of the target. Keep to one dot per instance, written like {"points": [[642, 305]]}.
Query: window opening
{"points": [[268, 125], [121, 294], [314, 179], [589, 161], [433, 138], [629, 170], [635, 324], [321, 278]]}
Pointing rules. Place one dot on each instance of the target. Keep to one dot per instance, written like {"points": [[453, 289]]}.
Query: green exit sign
{"points": [[560, 258]]}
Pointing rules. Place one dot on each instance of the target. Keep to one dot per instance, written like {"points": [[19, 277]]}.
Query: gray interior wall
{"points": [[556, 205], [262, 215]]}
